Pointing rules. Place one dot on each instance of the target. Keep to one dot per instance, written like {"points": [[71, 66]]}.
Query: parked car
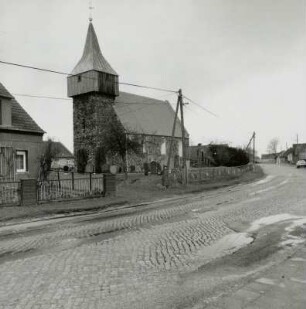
{"points": [[301, 163]]}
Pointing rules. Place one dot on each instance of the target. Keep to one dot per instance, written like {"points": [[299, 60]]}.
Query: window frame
{"points": [[23, 153]]}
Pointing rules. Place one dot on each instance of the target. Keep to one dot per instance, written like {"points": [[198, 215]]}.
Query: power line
{"points": [[69, 99], [205, 109], [40, 96], [68, 74]]}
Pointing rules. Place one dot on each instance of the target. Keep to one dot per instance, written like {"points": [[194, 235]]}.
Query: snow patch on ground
{"points": [[270, 188], [270, 220], [287, 239], [265, 180]]}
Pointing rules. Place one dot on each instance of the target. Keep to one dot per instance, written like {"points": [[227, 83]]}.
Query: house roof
{"points": [[145, 115], [92, 58], [21, 120], [287, 152], [61, 150], [4, 93]]}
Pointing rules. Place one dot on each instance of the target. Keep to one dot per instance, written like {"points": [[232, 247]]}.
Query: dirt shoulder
{"points": [[136, 190]]}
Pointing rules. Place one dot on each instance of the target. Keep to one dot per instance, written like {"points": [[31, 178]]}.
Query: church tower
{"points": [[93, 86]]}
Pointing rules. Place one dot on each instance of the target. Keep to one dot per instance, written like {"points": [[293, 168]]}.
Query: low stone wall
{"points": [[206, 173]]}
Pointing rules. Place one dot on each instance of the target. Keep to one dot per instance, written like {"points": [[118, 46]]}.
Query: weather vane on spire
{"points": [[90, 10]]}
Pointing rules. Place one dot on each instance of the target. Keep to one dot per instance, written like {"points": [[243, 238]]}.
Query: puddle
{"points": [[267, 241], [226, 245]]}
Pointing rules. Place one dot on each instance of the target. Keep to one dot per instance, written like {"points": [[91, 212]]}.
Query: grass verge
{"points": [[137, 189]]}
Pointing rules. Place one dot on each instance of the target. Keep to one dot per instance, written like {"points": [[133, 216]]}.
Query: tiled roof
{"points": [[61, 150], [22, 121], [92, 58], [4, 93], [145, 115]]}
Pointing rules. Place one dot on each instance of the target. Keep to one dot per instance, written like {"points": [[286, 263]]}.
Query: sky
{"points": [[245, 61]]}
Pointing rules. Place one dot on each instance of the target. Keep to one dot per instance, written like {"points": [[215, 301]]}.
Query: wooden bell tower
{"points": [[93, 85], [93, 73]]}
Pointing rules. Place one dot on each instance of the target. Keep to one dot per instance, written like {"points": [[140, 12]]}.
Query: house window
{"points": [[79, 78], [21, 161], [163, 147], [180, 148]]}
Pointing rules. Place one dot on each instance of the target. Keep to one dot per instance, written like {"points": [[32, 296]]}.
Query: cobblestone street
{"points": [[142, 257]]}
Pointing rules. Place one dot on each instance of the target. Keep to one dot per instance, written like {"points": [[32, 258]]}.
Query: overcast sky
{"points": [[243, 60]]}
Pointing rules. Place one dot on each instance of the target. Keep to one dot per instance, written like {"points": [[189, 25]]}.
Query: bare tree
{"points": [[273, 145], [50, 150], [117, 141]]}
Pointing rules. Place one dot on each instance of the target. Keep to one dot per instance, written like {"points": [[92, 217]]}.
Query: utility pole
{"points": [[184, 167], [252, 139], [297, 139], [166, 173], [254, 147]]}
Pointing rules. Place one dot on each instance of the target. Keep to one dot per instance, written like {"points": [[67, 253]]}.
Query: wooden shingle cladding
{"points": [[93, 73], [93, 81], [92, 58]]}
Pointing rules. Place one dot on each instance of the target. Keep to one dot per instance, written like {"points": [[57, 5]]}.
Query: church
{"points": [[98, 104]]}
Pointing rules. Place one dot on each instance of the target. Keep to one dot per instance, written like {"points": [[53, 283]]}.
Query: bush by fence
{"points": [[206, 173]]}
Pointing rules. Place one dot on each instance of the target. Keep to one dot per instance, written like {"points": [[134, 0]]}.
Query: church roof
{"points": [[92, 58], [143, 115]]}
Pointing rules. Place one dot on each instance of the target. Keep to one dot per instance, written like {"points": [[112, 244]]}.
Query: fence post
{"points": [[90, 182], [109, 184], [28, 192], [72, 179], [59, 180]]}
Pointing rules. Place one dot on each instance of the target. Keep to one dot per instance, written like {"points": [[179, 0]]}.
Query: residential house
{"points": [[20, 140], [299, 152], [94, 87], [201, 156], [63, 159], [288, 155]]}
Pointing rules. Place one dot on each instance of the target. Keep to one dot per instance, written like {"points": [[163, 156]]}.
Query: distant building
{"points": [[94, 87], [64, 159], [200, 156], [299, 152], [20, 140], [268, 158], [287, 156]]}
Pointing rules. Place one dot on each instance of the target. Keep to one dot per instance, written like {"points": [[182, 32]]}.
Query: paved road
{"points": [[180, 253]]}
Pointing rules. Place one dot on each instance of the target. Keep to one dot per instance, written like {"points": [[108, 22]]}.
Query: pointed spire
{"points": [[92, 58]]}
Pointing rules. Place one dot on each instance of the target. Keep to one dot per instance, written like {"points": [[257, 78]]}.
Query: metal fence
{"points": [[9, 193], [70, 188]]}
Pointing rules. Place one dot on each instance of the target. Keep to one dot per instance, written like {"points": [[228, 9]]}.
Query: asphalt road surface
{"points": [[178, 253]]}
